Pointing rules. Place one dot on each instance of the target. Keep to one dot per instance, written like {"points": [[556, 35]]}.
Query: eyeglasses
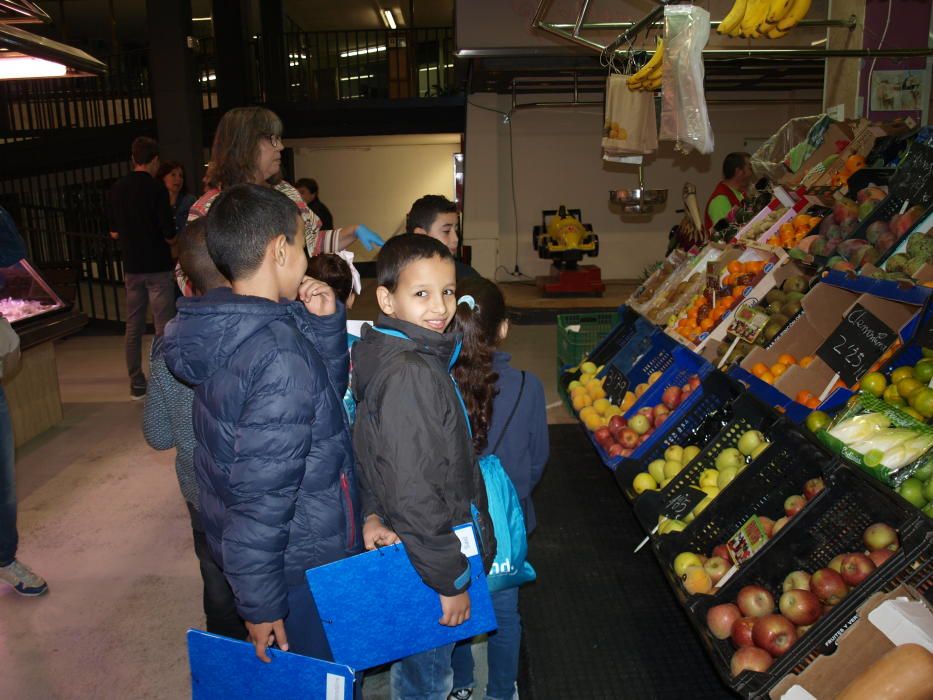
{"points": [[274, 139]]}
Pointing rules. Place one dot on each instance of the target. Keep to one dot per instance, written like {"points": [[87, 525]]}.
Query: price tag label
{"points": [[747, 323], [615, 385], [681, 504], [856, 344], [911, 181], [749, 539]]}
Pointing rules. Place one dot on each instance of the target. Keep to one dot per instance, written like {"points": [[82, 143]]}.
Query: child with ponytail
{"points": [[507, 413]]}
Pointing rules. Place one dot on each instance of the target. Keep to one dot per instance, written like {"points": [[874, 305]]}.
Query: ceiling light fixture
{"points": [[389, 19], [361, 52], [202, 19]]}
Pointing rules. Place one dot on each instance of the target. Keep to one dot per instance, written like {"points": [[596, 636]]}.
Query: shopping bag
{"points": [[511, 567], [630, 125]]}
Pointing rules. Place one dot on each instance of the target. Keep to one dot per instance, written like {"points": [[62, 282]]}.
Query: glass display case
{"points": [[24, 294]]}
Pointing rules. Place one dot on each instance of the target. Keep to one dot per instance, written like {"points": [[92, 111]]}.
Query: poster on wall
{"points": [[898, 90]]}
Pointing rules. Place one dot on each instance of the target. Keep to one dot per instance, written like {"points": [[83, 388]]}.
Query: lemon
{"points": [[902, 373], [602, 406]]}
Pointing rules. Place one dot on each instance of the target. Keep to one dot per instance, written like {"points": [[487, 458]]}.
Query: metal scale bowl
{"points": [[639, 200]]}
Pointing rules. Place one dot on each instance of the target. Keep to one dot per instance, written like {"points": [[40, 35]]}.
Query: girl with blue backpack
{"points": [[507, 414]]}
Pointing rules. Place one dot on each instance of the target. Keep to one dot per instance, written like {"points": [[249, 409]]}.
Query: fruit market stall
{"points": [[765, 403]]}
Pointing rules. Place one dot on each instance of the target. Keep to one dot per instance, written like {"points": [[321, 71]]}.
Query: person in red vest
{"points": [[731, 191]]}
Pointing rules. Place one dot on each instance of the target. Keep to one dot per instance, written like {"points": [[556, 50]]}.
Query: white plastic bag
{"points": [[684, 118], [630, 124]]}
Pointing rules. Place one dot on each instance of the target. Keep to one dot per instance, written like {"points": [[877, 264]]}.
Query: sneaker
{"points": [[24, 581], [137, 393], [461, 694]]}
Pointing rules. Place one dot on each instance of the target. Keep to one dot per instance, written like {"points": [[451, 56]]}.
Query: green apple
{"points": [[644, 482], [912, 492], [928, 490], [925, 472], [726, 476], [749, 441], [729, 457], [928, 510], [672, 469], [690, 452], [709, 477], [656, 469], [684, 560], [761, 448], [674, 453]]}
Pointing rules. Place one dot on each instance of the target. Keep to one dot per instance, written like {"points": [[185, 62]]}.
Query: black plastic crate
{"points": [[832, 525], [761, 489], [748, 413], [697, 427]]}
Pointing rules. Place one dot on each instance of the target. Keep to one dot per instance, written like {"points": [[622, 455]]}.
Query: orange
{"points": [[774, 240], [692, 312], [740, 291], [706, 324], [815, 221], [854, 162], [801, 220], [787, 359], [759, 368], [767, 377], [734, 267], [807, 360], [717, 314], [803, 396], [812, 402], [778, 368]]}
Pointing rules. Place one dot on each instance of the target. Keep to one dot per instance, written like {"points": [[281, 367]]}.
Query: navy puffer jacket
{"points": [[273, 459]]}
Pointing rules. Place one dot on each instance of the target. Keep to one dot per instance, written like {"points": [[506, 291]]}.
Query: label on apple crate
{"points": [[683, 503], [747, 323], [749, 539], [856, 344], [615, 385], [911, 181]]}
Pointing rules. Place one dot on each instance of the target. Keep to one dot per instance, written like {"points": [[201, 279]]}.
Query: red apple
{"points": [[881, 536], [602, 434], [742, 632], [616, 424], [779, 525], [721, 550], [794, 505], [628, 438], [615, 450], [813, 487], [828, 586], [856, 567], [750, 659], [802, 630], [800, 606], [659, 419], [685, 391], [716, 567], [720, 618], [671, 397], [626, 452], [796, 579], [836, 563], [767, 524], [755, 601], [693, 382], [880, 556], [774, 633]]}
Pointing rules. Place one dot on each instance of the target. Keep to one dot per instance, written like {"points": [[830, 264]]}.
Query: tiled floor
{"points": [[102, 519]]}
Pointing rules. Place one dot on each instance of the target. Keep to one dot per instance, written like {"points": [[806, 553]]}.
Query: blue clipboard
{"points": [[376, 609], [227, 669]]}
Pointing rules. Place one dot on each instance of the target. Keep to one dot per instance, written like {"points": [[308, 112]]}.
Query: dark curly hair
{"points": [[473, 372]]}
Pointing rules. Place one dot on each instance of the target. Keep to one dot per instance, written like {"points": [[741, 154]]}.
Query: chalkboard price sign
{"points": [[615, 385], [912, 179], [856, 344], [683, 503]]}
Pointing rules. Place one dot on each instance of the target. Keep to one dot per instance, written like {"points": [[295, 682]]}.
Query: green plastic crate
{"points": [[573, 345]]}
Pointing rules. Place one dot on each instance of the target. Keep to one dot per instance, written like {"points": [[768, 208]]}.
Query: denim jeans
{"points": [[9, 538], [424, 676], [502, 650], [157, 288]]}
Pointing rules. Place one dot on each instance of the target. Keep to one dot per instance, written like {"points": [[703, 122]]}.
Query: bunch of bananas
{"points": [[649, 77], [757, 18]]}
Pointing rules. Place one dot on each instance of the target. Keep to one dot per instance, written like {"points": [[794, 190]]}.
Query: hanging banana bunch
{"points": [[649, 77], [753, 19]]}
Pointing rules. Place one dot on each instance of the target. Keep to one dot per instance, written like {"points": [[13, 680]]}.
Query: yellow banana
{"points": [[765, 27], [755, 13], [649, 67], [732, 20], [798, 10], [778, 9], [776, 34]]}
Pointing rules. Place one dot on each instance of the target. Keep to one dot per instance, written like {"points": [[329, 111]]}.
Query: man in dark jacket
{"points": [[141, 221], [273, 458], [418, 471]]}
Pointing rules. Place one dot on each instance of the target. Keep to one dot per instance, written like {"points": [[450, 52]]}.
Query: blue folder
{"points": [[227, 669], [376, 609]]}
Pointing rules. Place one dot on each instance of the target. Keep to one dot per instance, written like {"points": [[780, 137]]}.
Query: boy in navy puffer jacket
{"points": [[273, 458]]}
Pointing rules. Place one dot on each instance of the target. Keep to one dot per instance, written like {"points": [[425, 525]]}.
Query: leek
{"points": [[883, 440], [860, 427], [906, 452]]}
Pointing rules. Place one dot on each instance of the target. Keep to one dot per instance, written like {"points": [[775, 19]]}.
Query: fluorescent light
{"points": [[361, 52], [818, 42], [202, 19], [389, 19], [208, 77], [16, 67], [357, 77]]}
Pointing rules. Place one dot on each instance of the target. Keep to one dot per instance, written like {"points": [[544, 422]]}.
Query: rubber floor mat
{"points": [[601, 622]]}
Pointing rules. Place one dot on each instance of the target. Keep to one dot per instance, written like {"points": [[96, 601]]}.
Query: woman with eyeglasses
{"points": [[248, 148]]}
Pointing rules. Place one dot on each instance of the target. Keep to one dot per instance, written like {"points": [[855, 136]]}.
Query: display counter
{"points": [[39, 317]]}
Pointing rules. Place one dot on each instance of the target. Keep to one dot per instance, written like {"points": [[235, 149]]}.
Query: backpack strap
{"points": [[505, 427]]}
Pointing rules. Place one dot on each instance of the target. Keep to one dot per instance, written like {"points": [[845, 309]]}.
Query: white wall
{"points": [[373, 180], [557, 161]]}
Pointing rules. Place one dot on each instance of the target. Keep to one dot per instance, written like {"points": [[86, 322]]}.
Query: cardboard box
{"points": [[859, 646], [838, 135], [822, 311]]}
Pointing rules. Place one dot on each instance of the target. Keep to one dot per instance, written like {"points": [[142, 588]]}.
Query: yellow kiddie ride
{"points": [[565, 241]]}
